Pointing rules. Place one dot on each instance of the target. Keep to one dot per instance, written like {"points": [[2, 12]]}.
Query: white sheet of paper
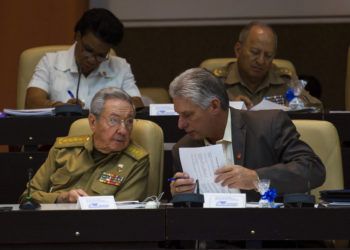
{"points": [[162, 109], [220, 200], [267, 105], [96, 202], [30, 112], [200, 163], [238, 105]]}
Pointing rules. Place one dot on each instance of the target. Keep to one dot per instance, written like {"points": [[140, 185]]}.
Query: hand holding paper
{"points": [[235, 176]]}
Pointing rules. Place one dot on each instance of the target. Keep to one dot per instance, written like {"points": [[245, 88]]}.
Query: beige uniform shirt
{"points": [[73, 163], [275, 84]]}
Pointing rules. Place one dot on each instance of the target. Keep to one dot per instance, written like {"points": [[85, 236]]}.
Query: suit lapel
{"points": [[238, 128]]}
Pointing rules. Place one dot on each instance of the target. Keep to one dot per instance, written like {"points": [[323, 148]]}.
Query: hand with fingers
{"points": [[236, 176], [182, 183], [70, 196]]}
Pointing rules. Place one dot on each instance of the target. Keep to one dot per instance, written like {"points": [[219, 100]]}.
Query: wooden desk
{"points": [[153, 228], [258, 224], [73, 228], [33, 131]]}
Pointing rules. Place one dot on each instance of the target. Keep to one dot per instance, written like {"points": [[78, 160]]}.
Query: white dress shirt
{"points": [[57, 72], [226, 143]]}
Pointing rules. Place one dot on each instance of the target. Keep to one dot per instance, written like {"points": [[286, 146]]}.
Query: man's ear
{"points": [[92, 122], [215, 105], [238, 49]]}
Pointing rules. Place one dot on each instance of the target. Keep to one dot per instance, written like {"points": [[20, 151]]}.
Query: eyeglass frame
{"points": [[90, 54], [114, 122]]}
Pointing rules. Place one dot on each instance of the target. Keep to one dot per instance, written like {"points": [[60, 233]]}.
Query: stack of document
{"points": [[335, 198], [30, 112]]}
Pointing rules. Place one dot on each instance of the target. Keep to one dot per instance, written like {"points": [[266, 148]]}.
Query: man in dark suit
{"points": [[257, 144]]}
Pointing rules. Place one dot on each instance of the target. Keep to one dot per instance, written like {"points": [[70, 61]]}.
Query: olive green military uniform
{"points": [[275, 84], [73, 163]]}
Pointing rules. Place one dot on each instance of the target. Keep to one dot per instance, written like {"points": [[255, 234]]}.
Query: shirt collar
{"points": [[233, 77], [66, 62], [227, 134]]}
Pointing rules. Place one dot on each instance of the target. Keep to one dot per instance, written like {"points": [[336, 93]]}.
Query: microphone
{"points": [[299, 199], [78, 85], [189, 199], [28, 203]]}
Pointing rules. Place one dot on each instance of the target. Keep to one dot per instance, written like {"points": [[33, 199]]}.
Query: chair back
{"points": [[27, 63], [215, 63], [323, 138], [148, 135], [154, 95], [31, 57]]}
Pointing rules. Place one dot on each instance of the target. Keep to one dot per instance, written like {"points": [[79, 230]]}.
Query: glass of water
{"points": [[263, 186]]}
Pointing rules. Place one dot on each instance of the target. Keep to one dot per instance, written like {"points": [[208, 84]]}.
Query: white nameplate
{"points": [[162, 109], [96, 202], [224, 200]]}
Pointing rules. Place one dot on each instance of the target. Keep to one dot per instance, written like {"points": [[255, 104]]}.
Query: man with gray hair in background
{"points": [[104, 163], [257, 145]]}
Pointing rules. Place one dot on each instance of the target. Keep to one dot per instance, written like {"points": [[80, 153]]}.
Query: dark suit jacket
{"points": [[267, 141]]}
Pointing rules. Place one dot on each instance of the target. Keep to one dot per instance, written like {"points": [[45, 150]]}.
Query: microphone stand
{"points": [[28, 203], [189, 199], [78, 85], [69, 109], [300, 199]]}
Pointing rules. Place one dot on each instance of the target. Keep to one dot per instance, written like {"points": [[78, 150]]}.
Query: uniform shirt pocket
{"points": [[103, 188]]}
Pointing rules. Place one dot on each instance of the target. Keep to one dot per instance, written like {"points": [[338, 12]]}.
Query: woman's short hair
{"points": [[103, 24]]}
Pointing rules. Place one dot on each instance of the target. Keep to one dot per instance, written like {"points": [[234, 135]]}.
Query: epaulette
{"points": [[284, 72], [71, 141], [220, 72], [135, 151]]}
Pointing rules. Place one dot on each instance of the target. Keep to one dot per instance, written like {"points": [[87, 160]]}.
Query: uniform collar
{"points": [[89, 146], [273, 78], [66, 62]]}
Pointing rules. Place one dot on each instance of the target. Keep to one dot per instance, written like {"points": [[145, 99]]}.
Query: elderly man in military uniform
{"points": [[255, 76], [104, 163]]}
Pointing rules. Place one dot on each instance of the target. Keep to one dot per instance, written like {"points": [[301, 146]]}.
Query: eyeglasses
{"points": [[117, 122], [88, 52]]}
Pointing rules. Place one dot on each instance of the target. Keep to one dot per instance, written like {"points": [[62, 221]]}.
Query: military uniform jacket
{"points": [[267, 141], [275, 84], [70, 165]]}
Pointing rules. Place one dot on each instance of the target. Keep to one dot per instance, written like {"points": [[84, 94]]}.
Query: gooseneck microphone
{"points": [[69, 109], [78, 85], [28, 203]]}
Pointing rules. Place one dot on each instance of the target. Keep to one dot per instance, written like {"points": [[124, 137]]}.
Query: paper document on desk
{"points": [[267, 105], [30, 112], [200, 163]]}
